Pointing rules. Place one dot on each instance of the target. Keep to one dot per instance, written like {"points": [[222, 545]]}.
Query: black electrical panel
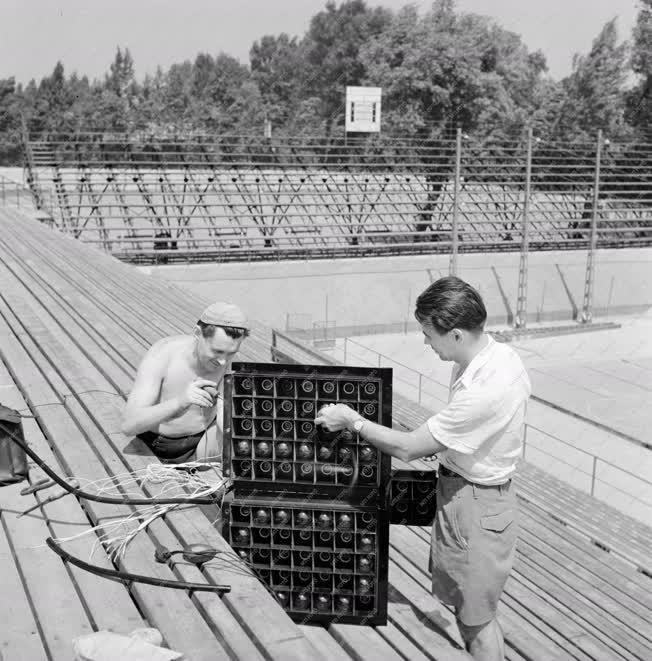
{"points": [[320, 558], [413, 497], [309, 509], [270, 438]]}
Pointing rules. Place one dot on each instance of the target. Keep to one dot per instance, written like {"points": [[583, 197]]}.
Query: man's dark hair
{"points": [[208, 330], [451, 303]]}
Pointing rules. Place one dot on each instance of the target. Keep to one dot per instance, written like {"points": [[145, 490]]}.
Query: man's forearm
{"points": [[389, 441], [150, 417]]}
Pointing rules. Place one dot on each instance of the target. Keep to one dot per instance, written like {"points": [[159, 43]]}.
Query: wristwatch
{"points": [[357, 425]]}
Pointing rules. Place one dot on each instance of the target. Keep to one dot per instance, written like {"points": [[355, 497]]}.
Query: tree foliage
{"points": [[639, 99], [439, 69]]}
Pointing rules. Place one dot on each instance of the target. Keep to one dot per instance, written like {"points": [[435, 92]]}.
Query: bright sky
{"points": [[84, 34]]}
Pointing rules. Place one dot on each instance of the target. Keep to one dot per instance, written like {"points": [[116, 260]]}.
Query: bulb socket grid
{"points": [[320, 559], [270, 436], [413, 497]]}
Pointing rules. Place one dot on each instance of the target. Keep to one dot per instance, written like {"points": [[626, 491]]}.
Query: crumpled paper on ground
{"points": [[140, 645]]}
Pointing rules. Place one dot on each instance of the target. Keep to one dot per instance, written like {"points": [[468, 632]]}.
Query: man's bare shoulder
{"points": [[164, 349], [171, 343]]}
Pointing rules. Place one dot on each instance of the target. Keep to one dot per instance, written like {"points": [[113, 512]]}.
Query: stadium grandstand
{"points": [[327, 242]]}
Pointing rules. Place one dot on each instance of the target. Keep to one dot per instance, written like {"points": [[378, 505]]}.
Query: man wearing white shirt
{"points": [[478, 438]]}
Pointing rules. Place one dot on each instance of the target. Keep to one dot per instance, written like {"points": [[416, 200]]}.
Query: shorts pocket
{"points": [[458, 521], [497, 522]]}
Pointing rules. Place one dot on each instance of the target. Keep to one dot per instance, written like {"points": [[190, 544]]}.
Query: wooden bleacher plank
{"points": [[405, 646], [363, 642], [592, 532], [565, 496], [95, 414], [85, 384], [541, 619], [617, 573], [626, 608], [267, 640], [111, 607], [627, 545], [20, 637], [526, 587], [150, 554], [55, 601], [322, 639], [600, 621], [180, 625], [174, 621], [520, 635], [421, 617], [144, 320], [417, 412], [631, 552], [443, 622], [526, 479]]}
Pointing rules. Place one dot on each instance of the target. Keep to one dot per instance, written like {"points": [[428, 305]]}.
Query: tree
{"points": [[121, 73], [216, 103], [445, 70], [332, 46], [152, 102], [9, 122], [274, 63], [113, 103], [594, 93], [639, 99]]}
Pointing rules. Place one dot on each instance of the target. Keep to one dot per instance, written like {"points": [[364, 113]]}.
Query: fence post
{"points": [[611, 291], [344, 359], [521, 303], [595, 465], [452, 268], [420, 382], [587, 312]]}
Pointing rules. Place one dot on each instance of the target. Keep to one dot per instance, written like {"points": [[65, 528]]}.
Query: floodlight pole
{"points": [[521, 304], [452, 268], [587, 313]]}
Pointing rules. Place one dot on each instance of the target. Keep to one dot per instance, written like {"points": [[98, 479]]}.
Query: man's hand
{"points": [[336, 417], [200, 392]]}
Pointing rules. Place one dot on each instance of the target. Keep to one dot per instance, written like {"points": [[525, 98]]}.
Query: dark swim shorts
{"points": [[172, 449]]}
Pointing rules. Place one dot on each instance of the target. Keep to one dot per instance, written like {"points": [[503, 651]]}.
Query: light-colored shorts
{"points": [[473, 545]]}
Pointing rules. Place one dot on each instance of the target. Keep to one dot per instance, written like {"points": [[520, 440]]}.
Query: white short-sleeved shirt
{"points": [[482, 425]]}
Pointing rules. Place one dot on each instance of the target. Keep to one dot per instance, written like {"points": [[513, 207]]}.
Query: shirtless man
{"points": [[177, 394]]}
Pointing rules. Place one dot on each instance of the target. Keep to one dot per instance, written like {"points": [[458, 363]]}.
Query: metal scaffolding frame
{"points": [[207, 198]]}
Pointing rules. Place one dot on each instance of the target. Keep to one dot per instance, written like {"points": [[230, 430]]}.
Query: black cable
{"points": [[114, 500], [128, 577]]}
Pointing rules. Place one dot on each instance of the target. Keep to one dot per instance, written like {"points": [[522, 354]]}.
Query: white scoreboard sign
{"points": [[363, 109]]}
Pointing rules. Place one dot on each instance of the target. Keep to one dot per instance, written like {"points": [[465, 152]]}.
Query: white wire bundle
{"points": [[174, 479], [181, 480]]}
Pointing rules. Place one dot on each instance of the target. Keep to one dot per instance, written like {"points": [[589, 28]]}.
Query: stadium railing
{"points": [[241, 197]]}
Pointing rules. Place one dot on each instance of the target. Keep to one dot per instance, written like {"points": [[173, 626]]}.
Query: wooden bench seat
{"points": [[80, 354], [612, 596], [74, 324]]}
